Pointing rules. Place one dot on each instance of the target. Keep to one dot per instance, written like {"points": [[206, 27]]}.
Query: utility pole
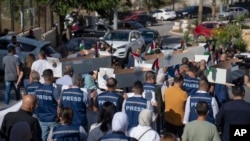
{"points": [[173, 1], [22, 15], [115, 17], [12, 15], [31, 16]]}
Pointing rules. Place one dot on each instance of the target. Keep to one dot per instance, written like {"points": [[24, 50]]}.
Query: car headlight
{"points": [[120, 47]]}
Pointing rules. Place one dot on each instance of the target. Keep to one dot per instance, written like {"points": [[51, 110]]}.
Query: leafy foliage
{"points": [[61, 7], [230, 33]]}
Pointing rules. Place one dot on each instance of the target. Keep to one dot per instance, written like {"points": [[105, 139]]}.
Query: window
{"points": [[240, 9], [210, 25], [137, 35], [117, 36], [48, 49], [159, 11], [27, 47]]}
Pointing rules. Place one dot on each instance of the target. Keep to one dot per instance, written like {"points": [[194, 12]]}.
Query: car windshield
{"points": [[227, 10], [117, 36], [48, 49], [137, 25], [75, 43], [147, 34]]}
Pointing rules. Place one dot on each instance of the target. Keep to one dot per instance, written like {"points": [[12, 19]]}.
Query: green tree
{"points": [[105, 8]]}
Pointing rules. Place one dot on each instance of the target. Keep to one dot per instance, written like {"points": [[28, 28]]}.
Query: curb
{"points": [[175, 33]]}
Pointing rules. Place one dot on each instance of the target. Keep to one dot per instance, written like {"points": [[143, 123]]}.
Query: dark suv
{"points": [[143, 19], [193, 11]]}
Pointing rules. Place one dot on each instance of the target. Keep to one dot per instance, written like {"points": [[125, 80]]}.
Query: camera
{"points": [[245, 63]]}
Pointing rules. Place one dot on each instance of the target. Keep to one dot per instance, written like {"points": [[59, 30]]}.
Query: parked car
{"points": [[245, 5], [96, 30], [192, 12], [204, 30], [134, 13], [73, 45], [144, 19], [150, 35], [164, 14], [233, 13], [124, 41], [29, 46], [131, 25]]}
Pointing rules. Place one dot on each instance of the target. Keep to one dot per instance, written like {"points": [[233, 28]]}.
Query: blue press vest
{"points": [[66, 133], [73, 98], [31, 88], [191, 85], [133, 107], [149, 89], [47, 104], [115, 136], [149, 86], [193, 102], [108, 96]]}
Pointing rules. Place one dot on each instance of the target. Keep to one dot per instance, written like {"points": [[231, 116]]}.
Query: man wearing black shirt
{"points": [[29, 104], [234, 112]]}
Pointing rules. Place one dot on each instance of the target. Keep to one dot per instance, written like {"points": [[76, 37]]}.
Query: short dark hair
{"points": [[178, 78], [150, 75], [66, 113], [111, 82], [42, 53], [194, 69], [11, 49], [238, 91], [47, 73], [203, 81], [184, 60], [138, 87], [202, 108]]}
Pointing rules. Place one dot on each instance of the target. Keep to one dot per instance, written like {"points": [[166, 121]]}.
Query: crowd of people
{"points": [[188, 108]]}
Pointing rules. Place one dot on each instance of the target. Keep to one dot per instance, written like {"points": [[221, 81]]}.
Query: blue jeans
{"points": [[26, 82], [8, 86], [46, 127]]}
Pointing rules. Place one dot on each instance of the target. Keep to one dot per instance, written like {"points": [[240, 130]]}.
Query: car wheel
{"points": [[148, 24], [201, 39]]}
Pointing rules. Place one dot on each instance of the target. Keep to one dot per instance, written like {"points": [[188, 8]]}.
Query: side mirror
{"points": [[101, 38]]}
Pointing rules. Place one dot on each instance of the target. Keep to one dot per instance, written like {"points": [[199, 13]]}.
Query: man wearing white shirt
{"points": [[67, 77], [201, 95], [39, 65]]}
